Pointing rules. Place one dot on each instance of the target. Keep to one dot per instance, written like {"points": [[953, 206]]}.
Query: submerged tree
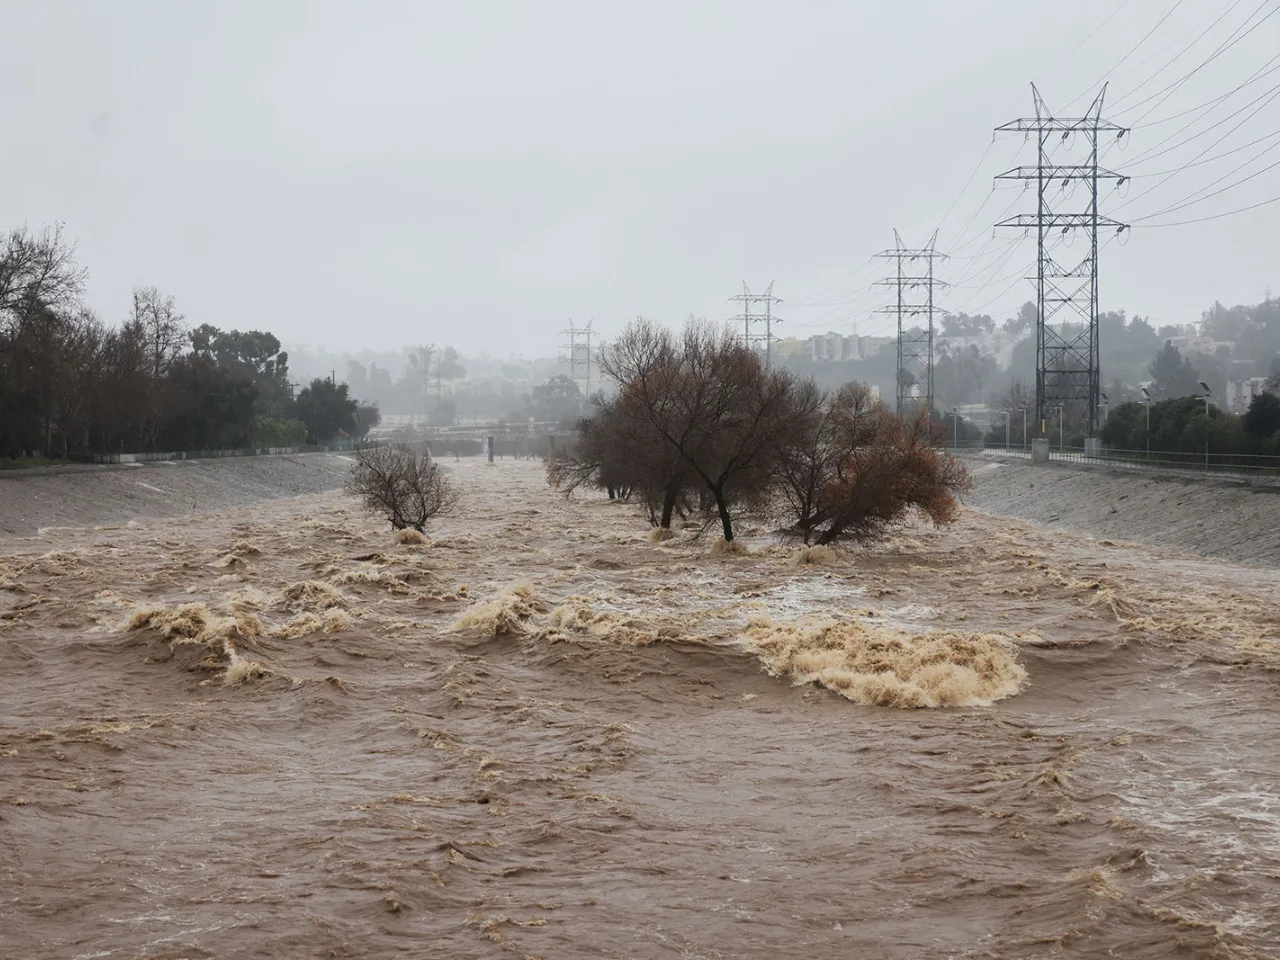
{"points": [[709, 405], [856, 470], [700, 414], [401, 484]]}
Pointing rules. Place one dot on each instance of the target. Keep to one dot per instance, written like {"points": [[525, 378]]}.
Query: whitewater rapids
{"points": [[280, 731]]}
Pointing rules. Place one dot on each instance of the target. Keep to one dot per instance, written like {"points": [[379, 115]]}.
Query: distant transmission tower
{"points": [[579, 357], [748, 299], [1068, 367], [914, 283]]}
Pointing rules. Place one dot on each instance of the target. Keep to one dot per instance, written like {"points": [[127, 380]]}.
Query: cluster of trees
{"points": [[72, 384], [1182, 424], [1253, 329], [700, 427]]}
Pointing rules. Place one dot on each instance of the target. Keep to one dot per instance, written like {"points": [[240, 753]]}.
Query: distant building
{"points": [[1240, 393], [791, 347], [830, 347]]}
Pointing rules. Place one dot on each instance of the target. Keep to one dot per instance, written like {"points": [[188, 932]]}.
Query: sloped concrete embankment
{"points": [[89, 496], [1227, 519]]}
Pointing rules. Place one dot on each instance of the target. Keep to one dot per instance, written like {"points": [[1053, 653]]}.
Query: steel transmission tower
{"points": [[579, 356], [748, 299], [1068, 367], [914, 288]]}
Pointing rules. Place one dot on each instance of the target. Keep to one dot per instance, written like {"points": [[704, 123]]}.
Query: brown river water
{"points": [[279, 732]]}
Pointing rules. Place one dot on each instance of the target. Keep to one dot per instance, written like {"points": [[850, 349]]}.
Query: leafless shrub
{"points": [[712, 415], [853, 470], [400, 483], [699, 423], [598, 457]]}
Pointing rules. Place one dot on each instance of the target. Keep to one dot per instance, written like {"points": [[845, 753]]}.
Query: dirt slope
{"points": [[88, 496], [1229, 520]]}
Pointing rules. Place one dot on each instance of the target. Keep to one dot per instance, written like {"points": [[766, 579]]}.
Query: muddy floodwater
{"points": [[278, 731]]}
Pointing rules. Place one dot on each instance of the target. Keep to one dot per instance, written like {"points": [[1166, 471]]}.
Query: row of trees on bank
{"points": [[1179, 420], [1183, 425], [699, 427], [73, 384]]}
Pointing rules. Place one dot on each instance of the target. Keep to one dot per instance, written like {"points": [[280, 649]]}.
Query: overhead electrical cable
{"points": [[1188, 201], [1096, 30], [1173, 88], [1207, 105], [1152, 152], [1217, 216], [1131, 52], [1215, 157], [1115, 104]]}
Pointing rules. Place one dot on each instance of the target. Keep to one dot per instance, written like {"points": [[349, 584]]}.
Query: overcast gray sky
{"points": [[476, 173]]}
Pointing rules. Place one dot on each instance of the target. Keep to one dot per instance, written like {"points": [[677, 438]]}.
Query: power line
{"points": [[960, 243], [1226, 45], [983, 280], [1132, 51], [1096, 30], [1200, 163], [1271, 95], [1178, 56], [1149, 155], [979, 287], [1218, 216], [1216, 100], [972, 174], [1190, 203], [1156, 54], [822, 298], [973, 266], [999, 296]]}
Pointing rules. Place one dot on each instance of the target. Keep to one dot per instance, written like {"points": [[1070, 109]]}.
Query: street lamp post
{"points": [[1024, 428], [955, 433], [1146, 398], [1207, 392], [1062, 437], [1006, 429]]}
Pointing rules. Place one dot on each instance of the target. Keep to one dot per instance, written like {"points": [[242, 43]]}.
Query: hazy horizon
{"points": [[479, 175]]}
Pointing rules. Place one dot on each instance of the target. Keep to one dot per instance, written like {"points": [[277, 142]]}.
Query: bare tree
{"points": [[596, 458], [401, 484], [809, 460], [710, 404], [79, 376], [735, 415], [1016, 397], [37, 270], [162, 327], [645, 363], [856, 470]]}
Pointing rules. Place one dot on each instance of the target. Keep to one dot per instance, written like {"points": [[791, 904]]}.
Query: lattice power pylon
{"points": [[1068, 359], [767, 317], [914, 283], [579, 355]]}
